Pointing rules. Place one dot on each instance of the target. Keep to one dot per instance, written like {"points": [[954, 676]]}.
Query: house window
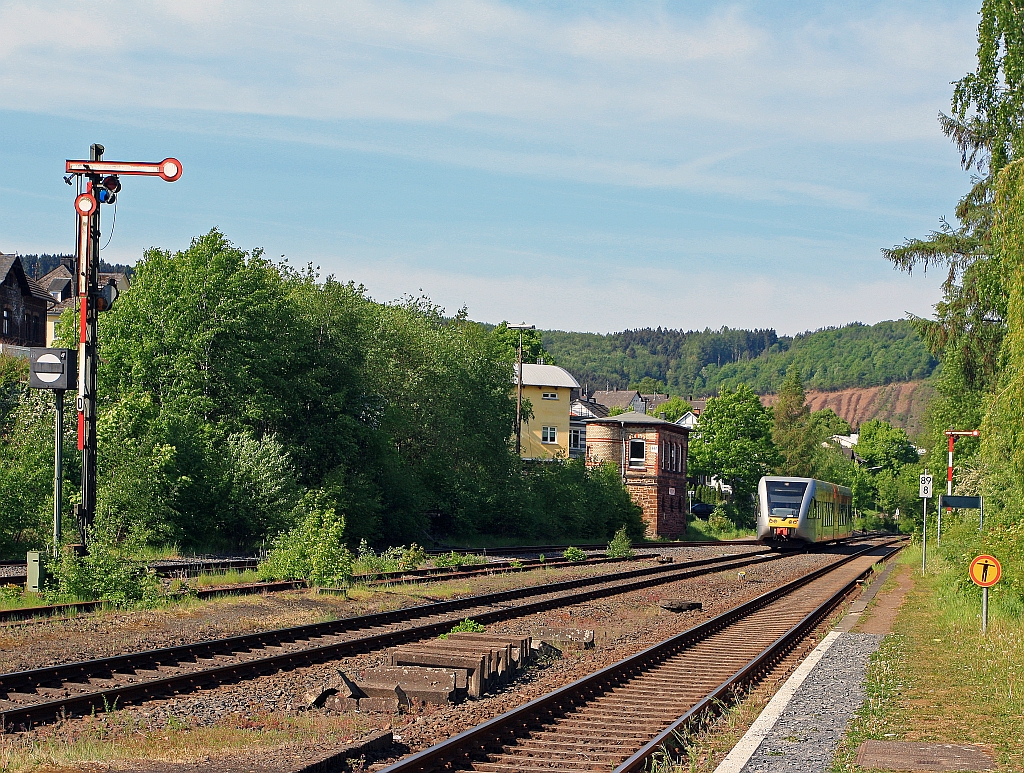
{"points": [[549, 395], [637, 453], [577, 439], [7, 322], [549, 434]]}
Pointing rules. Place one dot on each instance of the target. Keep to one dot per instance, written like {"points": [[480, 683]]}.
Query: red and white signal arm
{"points": [[169, 169]]}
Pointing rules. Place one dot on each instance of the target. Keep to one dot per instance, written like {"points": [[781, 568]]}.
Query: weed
{"points": [[574, 554], [620, 546], [466, 626]]}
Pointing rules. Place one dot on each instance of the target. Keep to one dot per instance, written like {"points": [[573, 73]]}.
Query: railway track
{"points": [[382, 579], [618, 718], [41, 695]]}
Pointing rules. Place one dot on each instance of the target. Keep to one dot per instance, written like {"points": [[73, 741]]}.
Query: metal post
{"points": [[924, 537], [519, 400], [88, 288], [58, 466], [981, 514], [984, 611]]}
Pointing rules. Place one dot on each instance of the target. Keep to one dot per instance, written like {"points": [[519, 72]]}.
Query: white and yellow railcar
{"points": [[803, 509]]}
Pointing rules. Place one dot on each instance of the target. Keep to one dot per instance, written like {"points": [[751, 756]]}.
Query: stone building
{"points": [[22, 305], [651, 456]]}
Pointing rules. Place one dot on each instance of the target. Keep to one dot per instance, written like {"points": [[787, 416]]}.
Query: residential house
{"points": [[621, 399], [651, 456], [23, 305], [582, 408], [60, 283], [549, 389]]}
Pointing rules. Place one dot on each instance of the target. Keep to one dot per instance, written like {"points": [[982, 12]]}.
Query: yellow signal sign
{"points": [[986, 571]]}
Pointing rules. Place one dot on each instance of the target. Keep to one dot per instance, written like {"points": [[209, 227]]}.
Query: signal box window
{"points": [[637, 454], [549, 434], [549, 395]]}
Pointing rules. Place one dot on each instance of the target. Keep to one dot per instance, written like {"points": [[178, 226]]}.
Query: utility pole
{"points": [[519, 386], [101, 186]]}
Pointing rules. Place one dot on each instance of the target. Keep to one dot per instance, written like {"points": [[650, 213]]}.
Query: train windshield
{"points": [[784, 497]]}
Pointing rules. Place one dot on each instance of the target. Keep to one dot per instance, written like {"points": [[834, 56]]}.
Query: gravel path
{"points": [[807, 733]]}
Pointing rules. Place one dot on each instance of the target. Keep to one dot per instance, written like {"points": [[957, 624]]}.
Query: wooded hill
{"points": [[698, 362]]}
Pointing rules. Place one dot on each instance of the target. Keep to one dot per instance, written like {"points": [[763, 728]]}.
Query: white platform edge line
{"points": [[744, 750]]}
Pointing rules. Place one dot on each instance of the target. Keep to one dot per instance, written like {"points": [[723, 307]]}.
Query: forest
{"points": [[705, 362]]}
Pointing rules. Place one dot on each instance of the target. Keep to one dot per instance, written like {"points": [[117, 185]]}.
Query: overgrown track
{"points": [[40, 695], [619, 717]]}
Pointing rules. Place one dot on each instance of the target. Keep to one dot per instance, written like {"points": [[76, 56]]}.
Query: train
{"points": [[803, 509]]}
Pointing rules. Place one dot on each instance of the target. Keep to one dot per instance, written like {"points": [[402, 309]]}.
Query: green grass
{"points": [[231, 577], [701, 531], [937, 679], [14, 597]]}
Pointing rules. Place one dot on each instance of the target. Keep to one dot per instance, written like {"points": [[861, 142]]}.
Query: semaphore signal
{"points": [[102, 184]]}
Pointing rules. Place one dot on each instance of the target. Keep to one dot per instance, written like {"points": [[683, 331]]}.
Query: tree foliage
{"points": [[734, 442], [231, 387], [792, 431]]}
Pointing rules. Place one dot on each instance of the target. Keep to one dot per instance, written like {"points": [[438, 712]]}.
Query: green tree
{"points": [[827, 423], [792, 431], [882, 445], [533, 347], [674, 408], [734, 442]]}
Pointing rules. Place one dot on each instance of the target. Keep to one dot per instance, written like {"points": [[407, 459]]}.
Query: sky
{"points": [[577, 166]]}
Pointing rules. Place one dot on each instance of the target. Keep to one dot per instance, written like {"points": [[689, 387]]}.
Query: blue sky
{"points": [[578, 166]]}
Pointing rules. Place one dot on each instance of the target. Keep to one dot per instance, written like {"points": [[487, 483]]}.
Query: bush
{"points": [[107, 573], [574, 554], [719, 522], [466, 626], [453, 559], [314, 550], [397, 559], [620, 546]]}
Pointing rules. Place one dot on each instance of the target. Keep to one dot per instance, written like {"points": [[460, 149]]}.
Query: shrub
{"points": [[314, 549], [719, 522], [107, 573], [466, 626], [457, 559], [620, 546], [574, 554], [397, 559]]}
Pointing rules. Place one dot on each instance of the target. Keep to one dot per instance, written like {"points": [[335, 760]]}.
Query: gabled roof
{"points": [[588, 409], [29, 286], [547, 375], [615, 398]]}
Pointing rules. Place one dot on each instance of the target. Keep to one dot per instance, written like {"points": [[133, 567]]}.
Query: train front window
{"points": [[784, 497]]}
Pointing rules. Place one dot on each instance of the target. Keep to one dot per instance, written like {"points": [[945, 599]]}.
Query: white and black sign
{"points": [[926, 487], [52, 368]]}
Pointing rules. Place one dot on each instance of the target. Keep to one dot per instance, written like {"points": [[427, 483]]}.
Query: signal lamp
{"points": [[112, 183]]}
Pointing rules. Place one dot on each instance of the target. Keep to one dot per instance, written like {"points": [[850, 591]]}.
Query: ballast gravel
{"points": [[805, 737]]}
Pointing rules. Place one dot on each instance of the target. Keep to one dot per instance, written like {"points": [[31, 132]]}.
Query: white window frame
{"points": [[549, 395], [637, 462], [549, 435], [576, 439]]}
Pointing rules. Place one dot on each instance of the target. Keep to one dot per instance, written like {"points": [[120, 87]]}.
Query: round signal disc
{"points": [[85, 204], [170, 169]]}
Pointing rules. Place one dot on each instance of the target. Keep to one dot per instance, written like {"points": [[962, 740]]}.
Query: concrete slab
{"points": [[936, 757]]}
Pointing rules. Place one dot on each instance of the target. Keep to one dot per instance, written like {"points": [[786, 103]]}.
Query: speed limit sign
{"points": [[926, 487]]}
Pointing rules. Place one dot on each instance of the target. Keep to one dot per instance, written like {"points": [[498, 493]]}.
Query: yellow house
{"points": [[549, 389]]}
